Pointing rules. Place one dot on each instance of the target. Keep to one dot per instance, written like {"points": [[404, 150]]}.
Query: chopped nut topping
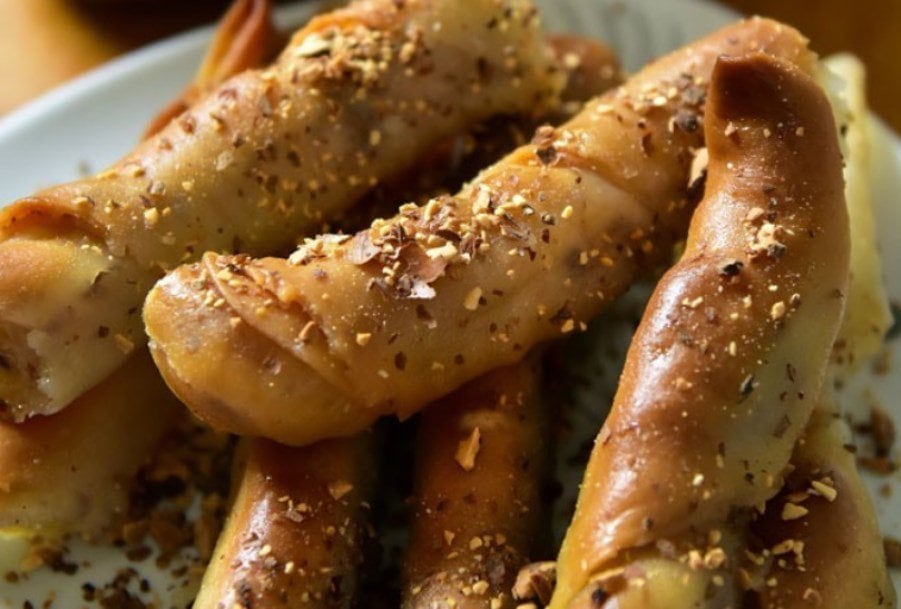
{"points": [[471, 302], [151, 217], [536, 582], [123, 343], [468, 449], [777, 311], [339, 488], [824, 489], [793, 511]]}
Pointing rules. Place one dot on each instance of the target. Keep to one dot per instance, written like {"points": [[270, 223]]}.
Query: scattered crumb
{"points": [[468, 449], [536, 582]]}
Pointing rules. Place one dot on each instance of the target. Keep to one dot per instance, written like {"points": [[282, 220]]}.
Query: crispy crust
{"points": [[357, 96], [417, 305], [722, 373], [482, 456], [296, 528]]}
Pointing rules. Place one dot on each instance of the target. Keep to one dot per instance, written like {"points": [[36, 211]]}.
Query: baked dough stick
{"points": [[70, 473], [245, 39], [820, 537], [495, 497], [414, 307], [482, 458], [295, 531], [724, 370], [359, 95]]}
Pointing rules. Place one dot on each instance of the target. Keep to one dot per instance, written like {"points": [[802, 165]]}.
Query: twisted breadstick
{"points": [[724, 370], [482, 457], [358, 95], [295, 531], [347, 330]]}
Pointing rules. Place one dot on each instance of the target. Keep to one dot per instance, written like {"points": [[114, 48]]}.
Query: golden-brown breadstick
{"points": [[348, 329], [818, 542], [357, 96], [294, 535], [482, 456], [724, 370], [70, 473]]}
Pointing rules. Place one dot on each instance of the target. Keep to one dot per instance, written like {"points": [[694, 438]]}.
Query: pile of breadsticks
{"points": [[721, 476]]}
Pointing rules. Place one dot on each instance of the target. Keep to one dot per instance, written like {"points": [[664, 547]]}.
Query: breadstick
{"points": [[482, 456], [347, 330], [818, 541], [295, 531], [70, 473], [357, 96], [724, 370]]}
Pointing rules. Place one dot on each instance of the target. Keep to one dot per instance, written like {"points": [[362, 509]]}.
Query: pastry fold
{"points": [[357, 96], [483, 455], [349, 329], [727, 364], [296, 528]]}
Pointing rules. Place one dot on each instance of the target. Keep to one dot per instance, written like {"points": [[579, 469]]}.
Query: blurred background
{"points": [[45, 42]]}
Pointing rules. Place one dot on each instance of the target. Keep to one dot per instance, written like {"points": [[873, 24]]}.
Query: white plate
{"points": [[91, 121]]}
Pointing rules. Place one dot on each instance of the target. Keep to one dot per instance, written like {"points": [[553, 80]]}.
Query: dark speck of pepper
{"points": [[599, 596], [732, 268]]}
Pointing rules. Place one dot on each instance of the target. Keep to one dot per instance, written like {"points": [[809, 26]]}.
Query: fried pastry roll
{"points": [[349, 329], [482, 457], [71, 473], [726, 366], [818, 542], [296, 528], [358, 95]]}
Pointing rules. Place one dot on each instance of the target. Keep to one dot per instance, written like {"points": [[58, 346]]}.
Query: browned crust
{"points": [[296, 528], [482, 457], [721, 375], [538, 244], [356, 97]]}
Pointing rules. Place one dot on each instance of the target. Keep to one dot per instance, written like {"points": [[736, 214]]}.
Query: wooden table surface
{"points": [[45, 42]]}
